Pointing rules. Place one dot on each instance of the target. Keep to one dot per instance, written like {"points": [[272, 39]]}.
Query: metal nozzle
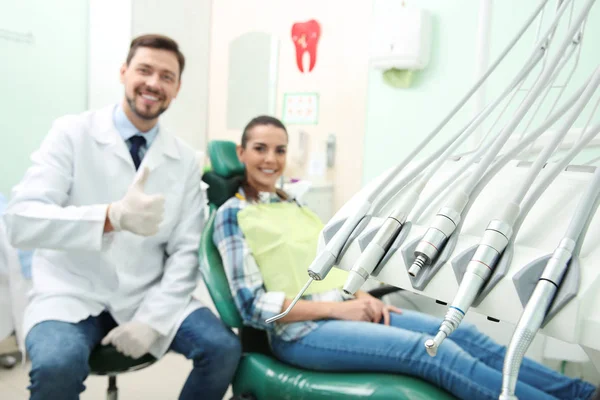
{"points": [[507, 397], [431, 345], [417, 265], [283, 314]]}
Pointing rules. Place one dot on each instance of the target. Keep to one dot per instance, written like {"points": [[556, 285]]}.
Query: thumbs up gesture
{"points": [[138, 212]]}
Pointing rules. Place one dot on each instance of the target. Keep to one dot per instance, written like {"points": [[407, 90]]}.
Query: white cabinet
{"points": [[319, 199]]}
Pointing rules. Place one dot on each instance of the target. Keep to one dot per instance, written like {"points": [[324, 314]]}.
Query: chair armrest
{"points": [[383, 290]]}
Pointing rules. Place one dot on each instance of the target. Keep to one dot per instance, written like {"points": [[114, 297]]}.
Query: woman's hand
{"points": [[364, 308]]}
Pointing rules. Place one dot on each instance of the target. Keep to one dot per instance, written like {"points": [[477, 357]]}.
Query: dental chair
{"points": [[260, 375]]}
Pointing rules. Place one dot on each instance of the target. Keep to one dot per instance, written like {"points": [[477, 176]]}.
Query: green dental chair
{"points": [[260, 375]]}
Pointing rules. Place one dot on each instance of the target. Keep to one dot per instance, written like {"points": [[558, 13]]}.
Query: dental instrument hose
{"points": [[476, 154], [383, 192], [465, 297], [392, 225], [449, 216], [543, 295]]}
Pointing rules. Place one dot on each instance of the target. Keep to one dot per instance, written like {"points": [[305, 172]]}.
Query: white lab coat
{"points": [[59, 208], [7, 325], [13, 291]]}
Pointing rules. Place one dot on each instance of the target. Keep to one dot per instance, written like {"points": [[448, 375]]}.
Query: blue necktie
{"points": [[137, 142]]}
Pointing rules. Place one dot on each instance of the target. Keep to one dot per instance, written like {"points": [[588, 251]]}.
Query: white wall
{"points": [[188, 22], [113, 23], [40, 80], [110, 33]]}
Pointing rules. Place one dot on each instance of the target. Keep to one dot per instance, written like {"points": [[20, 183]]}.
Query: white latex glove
{"points": [[132, 338], [138, 212]]}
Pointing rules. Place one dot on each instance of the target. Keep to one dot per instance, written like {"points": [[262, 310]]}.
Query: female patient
{"points": [[267, 241]]}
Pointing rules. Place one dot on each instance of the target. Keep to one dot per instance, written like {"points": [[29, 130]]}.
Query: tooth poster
{"points": [[306, 37], [301, 108]]}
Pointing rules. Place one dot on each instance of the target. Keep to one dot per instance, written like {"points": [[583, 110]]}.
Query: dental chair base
{"points": [[267, 378]]}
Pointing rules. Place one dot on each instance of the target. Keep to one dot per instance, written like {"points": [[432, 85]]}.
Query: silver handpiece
{"points": [[283, 314]]}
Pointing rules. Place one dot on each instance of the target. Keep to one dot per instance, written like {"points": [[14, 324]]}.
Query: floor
{"points": [[155, 382]]}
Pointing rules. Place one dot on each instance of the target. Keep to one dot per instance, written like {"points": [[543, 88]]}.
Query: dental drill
{"points": [[382, 193], [543, 295], [500, 232], [449, 216]]}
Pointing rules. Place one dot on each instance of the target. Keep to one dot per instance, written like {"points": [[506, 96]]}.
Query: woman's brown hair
{"points": [[250, 191]]}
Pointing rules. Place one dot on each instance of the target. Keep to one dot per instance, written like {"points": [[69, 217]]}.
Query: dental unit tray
{"points": [[573, 318]]}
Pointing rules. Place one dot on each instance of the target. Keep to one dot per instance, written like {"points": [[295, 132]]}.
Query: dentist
{"points": [[113, 206]]}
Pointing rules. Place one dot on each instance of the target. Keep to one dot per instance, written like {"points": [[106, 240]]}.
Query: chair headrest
{"points": [[224, 159], [227, 172]]}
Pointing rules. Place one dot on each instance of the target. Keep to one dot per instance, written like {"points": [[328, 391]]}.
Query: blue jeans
{"points": [[60, 351], [468, 364]]}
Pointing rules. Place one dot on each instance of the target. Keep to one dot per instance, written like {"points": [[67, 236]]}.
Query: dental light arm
{"points": [[447, 219], [382, 194], [500, 231], [543, 295]]}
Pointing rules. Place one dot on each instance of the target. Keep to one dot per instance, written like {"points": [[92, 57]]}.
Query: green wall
{"points": [[398, 119], [40, 81]]}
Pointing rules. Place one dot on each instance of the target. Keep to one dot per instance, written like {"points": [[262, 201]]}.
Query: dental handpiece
{"points": [[500, 232], [533, 316], [479, 269], [543, 295], [381, 243], [443, 225]]}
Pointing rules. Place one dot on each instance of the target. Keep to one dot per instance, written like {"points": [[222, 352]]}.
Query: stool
{"points": [[107, 361]]}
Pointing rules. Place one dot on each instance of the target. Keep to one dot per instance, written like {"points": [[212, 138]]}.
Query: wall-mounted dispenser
{"points": [[401, 37], [331, 144]]}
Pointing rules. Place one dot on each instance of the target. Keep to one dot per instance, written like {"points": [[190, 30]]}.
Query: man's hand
{"points": [[132, 339], [364, 308], [137, 212]]}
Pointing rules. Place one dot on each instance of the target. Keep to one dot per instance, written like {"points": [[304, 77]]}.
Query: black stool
{"points": [[107, 361]]}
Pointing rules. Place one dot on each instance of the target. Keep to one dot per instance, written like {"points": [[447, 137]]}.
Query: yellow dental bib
{"points": [[283, 238]]}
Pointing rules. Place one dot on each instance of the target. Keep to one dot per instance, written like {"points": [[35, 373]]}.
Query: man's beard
{"points": [[147, 117]]}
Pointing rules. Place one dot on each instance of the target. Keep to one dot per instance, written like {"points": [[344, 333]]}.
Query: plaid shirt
{"points": [[254, 303]]}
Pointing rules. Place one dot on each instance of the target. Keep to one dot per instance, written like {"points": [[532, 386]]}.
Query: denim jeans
{"points": [[468, 364], [59, 353]]}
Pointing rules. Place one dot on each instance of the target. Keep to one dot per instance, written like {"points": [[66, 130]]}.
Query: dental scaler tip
{"points": [[417, 265], [300, 293], [431, 347]]}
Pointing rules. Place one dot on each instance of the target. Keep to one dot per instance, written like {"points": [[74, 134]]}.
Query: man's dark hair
{"points": [[156, 42]]}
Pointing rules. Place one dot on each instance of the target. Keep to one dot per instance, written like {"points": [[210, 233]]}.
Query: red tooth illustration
{"points": [[306, 37]]}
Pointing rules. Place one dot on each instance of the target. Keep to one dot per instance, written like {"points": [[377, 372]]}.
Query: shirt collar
{"points": [[263, 197], [126, 129]]}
